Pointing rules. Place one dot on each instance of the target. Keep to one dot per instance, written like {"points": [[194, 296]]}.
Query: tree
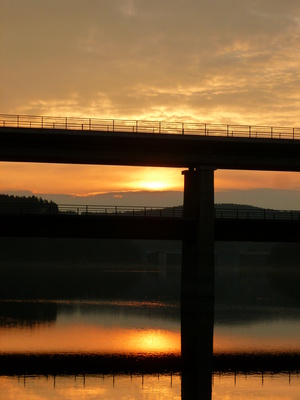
{"points": [[24, 205]]}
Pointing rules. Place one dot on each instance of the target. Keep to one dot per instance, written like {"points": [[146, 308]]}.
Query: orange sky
{"points": [[221, 62], [82, 180]]}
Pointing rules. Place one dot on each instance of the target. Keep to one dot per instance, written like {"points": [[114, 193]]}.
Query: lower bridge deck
{"points": [[164, 228]]}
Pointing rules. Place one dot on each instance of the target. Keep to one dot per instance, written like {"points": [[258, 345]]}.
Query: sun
{"points": [[154, 185], [157, 179]]}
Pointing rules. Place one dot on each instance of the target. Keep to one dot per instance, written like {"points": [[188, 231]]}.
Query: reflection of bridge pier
{"points": [[197, 291], [197, 318]]}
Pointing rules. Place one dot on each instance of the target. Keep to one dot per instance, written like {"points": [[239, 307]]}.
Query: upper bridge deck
{"points": [[148, 143]]}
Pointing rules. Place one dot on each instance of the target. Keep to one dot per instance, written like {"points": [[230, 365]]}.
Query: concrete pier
{"points": [[198, 251], [197, 285]]}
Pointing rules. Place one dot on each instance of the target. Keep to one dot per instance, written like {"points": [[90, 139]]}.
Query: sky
{"points": [[220, 61]]}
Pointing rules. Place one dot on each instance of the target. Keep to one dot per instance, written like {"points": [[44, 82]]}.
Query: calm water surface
{"points": [[130, 345]]}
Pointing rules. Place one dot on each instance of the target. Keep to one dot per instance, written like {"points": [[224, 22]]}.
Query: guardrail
{"points": [[121, 211], [95, 210], [141, 211], [155, 127], [255, 214]]}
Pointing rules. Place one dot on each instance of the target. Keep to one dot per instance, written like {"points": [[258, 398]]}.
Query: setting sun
{"points": [[83, 180], [157, 179], [155, 185]]}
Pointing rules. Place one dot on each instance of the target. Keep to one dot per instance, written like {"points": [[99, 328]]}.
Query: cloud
{"points": [[83, 180], [123, 58], [128, 8], [221, 61], [245, 180]]}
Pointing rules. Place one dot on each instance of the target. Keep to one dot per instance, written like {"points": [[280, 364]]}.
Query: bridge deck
{"points": [[165, 228], [147, 149]]}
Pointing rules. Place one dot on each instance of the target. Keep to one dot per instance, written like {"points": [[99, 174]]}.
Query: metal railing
{"points": [[256, 214], [92, 210], [141, 211], [154, 127], [121, 211]]}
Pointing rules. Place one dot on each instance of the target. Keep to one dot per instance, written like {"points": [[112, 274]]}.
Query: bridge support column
{"points": [[197, 286], [197, 277]]}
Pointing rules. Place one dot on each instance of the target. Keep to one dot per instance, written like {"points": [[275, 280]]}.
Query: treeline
{"points": [[22, 204]]}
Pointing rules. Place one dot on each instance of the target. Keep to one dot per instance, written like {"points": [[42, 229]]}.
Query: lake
{"points": [[122, 332]]}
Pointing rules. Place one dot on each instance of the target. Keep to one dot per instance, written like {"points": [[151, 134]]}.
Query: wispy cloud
{"points": [[233, 61], [217, 59]]}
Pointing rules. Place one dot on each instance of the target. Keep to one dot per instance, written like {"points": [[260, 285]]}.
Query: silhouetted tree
{"points": [[22, 204]]}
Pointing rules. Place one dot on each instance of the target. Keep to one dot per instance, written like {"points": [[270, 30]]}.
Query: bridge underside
{"points": [[111, 227], [144, 149]]}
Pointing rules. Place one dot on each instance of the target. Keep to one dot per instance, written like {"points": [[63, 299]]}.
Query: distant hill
{"points": [[237, 206]]}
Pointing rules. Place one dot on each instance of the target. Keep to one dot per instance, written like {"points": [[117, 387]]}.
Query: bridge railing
{"points": [[141, 211], [143, 126], [121, 211], [250, 214], [92, 210]]}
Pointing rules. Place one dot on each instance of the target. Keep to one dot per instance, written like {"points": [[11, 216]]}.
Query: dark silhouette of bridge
{"points": [[148, 143], [199, 149], [123, 222]]}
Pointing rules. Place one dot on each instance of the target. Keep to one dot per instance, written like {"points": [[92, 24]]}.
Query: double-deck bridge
{"points": [[197, 148]]}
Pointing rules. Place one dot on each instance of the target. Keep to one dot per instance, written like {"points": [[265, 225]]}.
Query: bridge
{"points": [[148, 143], [197, 148], [139, 222]]}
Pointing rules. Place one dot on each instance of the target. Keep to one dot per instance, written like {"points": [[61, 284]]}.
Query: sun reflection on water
{"points": [[88, 339], [154, 341]]}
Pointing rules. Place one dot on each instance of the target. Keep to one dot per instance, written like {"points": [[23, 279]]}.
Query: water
{"points": [[135, 341]]}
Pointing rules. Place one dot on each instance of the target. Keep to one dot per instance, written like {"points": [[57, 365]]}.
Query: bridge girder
{"points": [[144, 149]]}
